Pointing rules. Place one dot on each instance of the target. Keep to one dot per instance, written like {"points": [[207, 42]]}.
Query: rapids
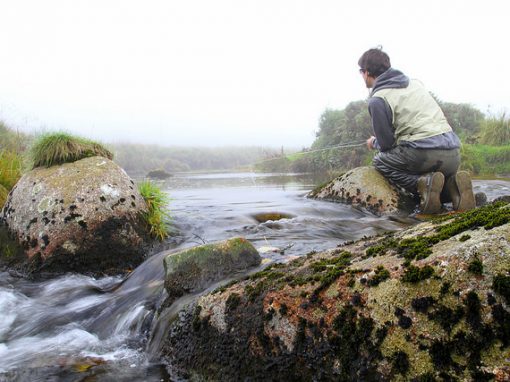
{"points": [[79, 328]]}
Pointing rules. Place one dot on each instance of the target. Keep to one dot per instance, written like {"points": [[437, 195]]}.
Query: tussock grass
{"points": [[495, 131], [157, 218], [11, 168], [56, 148]]}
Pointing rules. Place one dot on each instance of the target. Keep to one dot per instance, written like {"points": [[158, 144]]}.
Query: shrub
{"points": [[157, 218], [495, 131], [57, 148]]}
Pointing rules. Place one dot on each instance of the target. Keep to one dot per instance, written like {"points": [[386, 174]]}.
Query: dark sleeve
{"points": [[381, 115]]}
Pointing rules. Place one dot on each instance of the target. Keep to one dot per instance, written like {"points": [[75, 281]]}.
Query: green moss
{"points": [[490, 216], [464, 238], [381, 274], [56, 148], [415, 274], [476, 266], [501, 285], [446, 316], [445, 288], [156, 217], [196, 322], [232, 302], [400, 363], [223, 288]]}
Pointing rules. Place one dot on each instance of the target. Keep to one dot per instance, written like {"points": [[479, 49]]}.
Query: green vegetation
{"points": [[489, 216], [501, 285], [381, 274], [416, 274], [486, 160], [157, 218], [56, 148], [476, 266], [11, 168], [495, 131], [486, 141], [12, 146]]}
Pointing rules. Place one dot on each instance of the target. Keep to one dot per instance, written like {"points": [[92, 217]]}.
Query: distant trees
{"points": [[140, 159], [353, 125]]}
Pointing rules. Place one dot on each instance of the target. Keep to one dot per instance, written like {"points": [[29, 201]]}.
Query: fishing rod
{"points": [[344, 145]]}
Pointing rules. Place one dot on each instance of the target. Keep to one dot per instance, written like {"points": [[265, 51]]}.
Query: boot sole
{"points": [[433, 205], [467, 198]]}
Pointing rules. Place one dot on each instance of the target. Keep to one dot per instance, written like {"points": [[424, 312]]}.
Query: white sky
{"points": [[244, 72]]}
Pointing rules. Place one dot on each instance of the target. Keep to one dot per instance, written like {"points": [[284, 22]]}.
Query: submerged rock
{"points": [[365, 187], [427, 303], [83, 216], [263, 217], [194, 269]]}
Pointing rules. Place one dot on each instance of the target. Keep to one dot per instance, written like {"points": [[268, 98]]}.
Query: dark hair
{"points": [[374, 61]]}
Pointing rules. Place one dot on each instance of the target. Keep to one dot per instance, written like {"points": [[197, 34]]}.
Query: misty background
{"points": [[225, 72]]}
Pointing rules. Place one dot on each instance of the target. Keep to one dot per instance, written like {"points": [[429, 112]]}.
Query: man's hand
{"points": [[370, 143]]}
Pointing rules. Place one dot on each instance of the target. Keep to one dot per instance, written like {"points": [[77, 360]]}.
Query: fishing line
{"points": [[344, 145]]}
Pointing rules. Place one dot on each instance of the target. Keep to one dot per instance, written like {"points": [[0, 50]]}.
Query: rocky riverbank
{"points": [[428, 303]]}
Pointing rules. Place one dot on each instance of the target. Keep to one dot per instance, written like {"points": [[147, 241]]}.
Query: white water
{"points": [[75, 327]]}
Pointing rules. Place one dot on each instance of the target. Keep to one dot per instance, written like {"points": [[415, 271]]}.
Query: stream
{"points": [[78, 328]]}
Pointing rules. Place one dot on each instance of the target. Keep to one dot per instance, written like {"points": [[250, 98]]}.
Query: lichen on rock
{"points": [[82, 216], [365, 187], [322, 318]]}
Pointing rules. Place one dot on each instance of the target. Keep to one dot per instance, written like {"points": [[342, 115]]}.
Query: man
{"points": [[418, 149]]}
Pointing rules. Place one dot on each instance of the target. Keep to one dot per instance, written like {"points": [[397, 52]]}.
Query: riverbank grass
{"points": [[56, 148], [157, 217]]}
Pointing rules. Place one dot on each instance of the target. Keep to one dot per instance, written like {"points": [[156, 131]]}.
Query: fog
{"points": [[230, 72]]}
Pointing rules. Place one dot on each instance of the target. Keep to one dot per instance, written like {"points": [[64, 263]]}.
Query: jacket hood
{"points": [[390, 79]]}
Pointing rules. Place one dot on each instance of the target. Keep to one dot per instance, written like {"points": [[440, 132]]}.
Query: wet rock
{"points": [[365, 187], [75, 217], [158, 174], [313, 318], [271, 216], [194, 269]]}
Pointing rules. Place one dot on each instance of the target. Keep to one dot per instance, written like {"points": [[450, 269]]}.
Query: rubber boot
{"points": [[460, 189], [430, 187]]}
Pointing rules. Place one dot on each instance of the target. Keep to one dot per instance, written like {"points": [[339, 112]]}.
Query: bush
{"points": [[495, 131], [57, 148], [157, 218], [486, 160]]}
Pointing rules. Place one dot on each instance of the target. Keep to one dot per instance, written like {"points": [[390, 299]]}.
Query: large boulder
{"points": [[424, 304], [365, 187], [83, 216], [194, 269]]}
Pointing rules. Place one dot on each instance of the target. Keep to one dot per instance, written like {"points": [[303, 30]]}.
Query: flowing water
{"points": [[77, 328]]}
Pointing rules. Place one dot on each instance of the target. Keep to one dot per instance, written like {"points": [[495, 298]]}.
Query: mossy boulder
{"points": [[194, 269], [365, 187], [431, 302], [83, 216]]}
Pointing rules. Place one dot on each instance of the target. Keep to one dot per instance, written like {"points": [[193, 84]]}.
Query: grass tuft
{"points": [[157, 218], [56, 148]]}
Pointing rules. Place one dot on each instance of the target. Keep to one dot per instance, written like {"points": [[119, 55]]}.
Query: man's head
{"points": [[373, 63]]}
